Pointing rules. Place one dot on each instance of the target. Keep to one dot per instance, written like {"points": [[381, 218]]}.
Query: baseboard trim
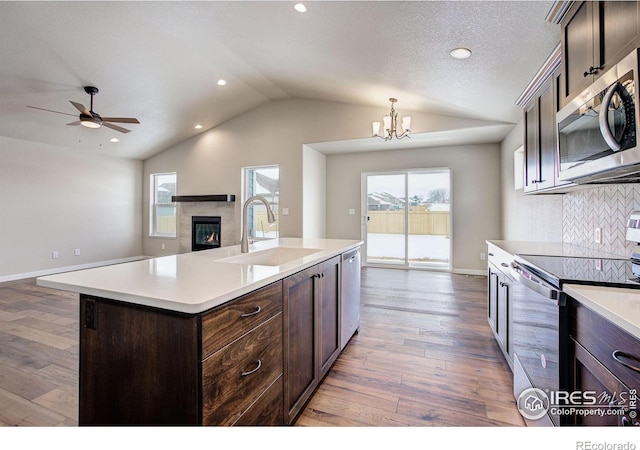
{"points": [[469, 272], [41, 273]]}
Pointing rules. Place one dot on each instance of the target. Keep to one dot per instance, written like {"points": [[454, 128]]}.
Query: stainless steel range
{"points": [[540, 322]]}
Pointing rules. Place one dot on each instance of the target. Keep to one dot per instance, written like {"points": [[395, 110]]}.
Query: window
{"points": [[264, 181], [162, 211]]}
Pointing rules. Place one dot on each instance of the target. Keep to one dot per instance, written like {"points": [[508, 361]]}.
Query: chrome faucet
{"points": [[244, 244]]}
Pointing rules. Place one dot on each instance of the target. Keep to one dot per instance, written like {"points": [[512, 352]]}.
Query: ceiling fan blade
{"points": [[80, 107], [50, 110], [115, 127], [121, 119], [77, 122]]}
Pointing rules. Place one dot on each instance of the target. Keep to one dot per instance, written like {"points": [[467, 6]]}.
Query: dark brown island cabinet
{"points": [[255, 360]]}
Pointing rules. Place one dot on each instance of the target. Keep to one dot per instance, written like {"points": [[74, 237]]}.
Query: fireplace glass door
{"points": [[205, 232]]}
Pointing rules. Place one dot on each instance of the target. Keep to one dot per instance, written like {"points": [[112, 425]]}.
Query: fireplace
{"points": [[205, 232]]}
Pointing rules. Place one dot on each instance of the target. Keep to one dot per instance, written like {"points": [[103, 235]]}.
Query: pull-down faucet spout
{"points": [[244, 243]]}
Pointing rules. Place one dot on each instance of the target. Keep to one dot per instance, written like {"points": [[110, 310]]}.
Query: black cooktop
{"points": [[559, 270]]}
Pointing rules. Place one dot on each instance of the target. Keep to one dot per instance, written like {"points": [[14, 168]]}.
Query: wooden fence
{"points": [[167, 224], [435, 223]]}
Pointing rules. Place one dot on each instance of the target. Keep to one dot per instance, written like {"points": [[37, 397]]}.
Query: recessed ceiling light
{"points": [[221, 82], [114, 140], [198, 127], [300, 7], [460, 53]]}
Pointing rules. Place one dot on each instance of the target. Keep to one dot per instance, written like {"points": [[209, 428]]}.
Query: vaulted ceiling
{"points": [[160, 61]]}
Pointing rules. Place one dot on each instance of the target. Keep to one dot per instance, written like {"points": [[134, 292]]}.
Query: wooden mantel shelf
{"points": [[204, 198]]}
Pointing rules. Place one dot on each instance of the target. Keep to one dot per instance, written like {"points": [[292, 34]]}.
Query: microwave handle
{"points": [[605, 129]]}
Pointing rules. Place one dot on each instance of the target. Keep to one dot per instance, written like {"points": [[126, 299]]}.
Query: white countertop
{"points": [[619, 305], [193, 282]]}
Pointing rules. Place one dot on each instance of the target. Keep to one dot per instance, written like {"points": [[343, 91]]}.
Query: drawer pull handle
{"points": [[252, 313], [244, 374], [617, 354]]}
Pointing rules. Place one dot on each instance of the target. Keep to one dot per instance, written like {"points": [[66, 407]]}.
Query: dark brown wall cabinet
{"points": [[540, 164], [605, 360], [596, 35], [311, 331]]}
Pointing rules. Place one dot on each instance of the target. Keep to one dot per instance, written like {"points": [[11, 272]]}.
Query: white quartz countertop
{"points": [[198, 281], [619, 305]]}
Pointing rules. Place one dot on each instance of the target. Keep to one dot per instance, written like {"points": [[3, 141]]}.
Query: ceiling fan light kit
{"points": [[390, 122], [90, 119]]}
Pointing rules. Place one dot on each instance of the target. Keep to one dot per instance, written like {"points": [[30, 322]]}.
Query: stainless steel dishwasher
{"points": [[350, 294]]}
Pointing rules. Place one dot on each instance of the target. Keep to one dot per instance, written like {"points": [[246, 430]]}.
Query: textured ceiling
{"points": [[159, 61]]}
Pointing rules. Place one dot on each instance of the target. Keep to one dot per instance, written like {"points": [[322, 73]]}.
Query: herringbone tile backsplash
{"points": [[606, 207]]}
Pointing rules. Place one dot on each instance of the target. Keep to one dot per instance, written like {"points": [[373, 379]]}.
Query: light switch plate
{"points": [[352, 211]]}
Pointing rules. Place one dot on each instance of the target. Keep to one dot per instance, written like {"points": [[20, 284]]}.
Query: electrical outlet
{"points": [[285, 211], [597, 235], [163, 247], [483, 256], [76, 252], [54, 254], [598, 265], [352, 211]]}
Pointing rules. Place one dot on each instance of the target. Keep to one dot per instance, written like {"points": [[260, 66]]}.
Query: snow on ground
{"points": [[422, 248]]}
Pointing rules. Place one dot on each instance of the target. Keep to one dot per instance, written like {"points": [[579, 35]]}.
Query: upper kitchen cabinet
{"points": [[595, 36], [541, 102]]}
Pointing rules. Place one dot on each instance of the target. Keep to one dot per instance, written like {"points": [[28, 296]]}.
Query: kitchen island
{"points": [[215, 337]]}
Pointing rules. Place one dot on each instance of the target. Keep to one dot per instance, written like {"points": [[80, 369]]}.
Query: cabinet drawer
{"points": [[230, 321], [602, 338], [235, 376], [267, 410]]}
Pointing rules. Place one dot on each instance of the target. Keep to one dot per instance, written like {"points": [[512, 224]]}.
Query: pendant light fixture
{"points": [[390, 123]]}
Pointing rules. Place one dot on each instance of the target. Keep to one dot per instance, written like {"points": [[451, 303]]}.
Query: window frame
{"points": [[154, 204], [274, 200]]}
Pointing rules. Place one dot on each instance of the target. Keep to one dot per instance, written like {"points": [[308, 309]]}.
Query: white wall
{"points": [[314, 189], [536, 217], [54, 198], [274, 133], [475, 194]]}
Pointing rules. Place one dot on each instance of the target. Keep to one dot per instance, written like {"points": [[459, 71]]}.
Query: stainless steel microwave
{"points": [[597, 140]]}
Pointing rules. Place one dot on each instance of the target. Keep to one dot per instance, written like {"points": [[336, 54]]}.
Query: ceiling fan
{"points": [[90, 119]]}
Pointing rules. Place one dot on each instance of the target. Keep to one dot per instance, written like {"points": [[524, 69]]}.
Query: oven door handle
{"points": [[532, 282]]}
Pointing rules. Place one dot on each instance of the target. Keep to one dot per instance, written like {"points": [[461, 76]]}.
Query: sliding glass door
{"points": [[386, 224], [408, 220]]}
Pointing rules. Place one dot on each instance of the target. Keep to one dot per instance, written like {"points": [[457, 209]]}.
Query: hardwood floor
{"points": [[38, 355], [424, 356]]}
